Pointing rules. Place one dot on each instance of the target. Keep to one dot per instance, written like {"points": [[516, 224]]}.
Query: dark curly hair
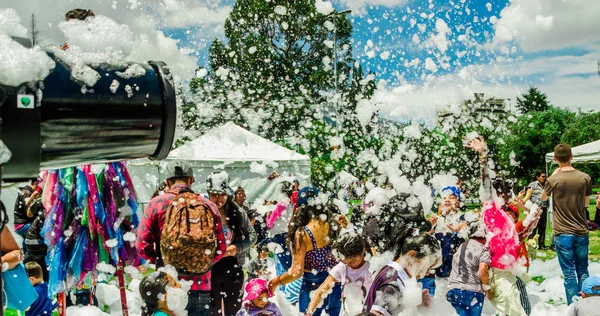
{"points": [[351, 245]]}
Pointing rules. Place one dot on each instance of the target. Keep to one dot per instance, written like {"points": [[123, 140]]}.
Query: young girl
{"points": [[311, 235], [162, 295], [256, 302], [352, 273], [416, 253]]}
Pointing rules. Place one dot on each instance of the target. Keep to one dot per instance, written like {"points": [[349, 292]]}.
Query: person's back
{"points": [[589, 306], [569, 189], [42, 305]]}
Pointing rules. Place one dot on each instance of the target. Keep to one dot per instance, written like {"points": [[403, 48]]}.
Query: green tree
{"points": [[584, 128], [533, 101], [531, 137]]}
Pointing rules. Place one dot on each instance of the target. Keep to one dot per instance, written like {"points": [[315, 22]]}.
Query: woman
{"points": [[311, 234], [227, 276]]}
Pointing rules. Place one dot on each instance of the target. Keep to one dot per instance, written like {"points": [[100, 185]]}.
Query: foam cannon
{"points": [[61, 123]]}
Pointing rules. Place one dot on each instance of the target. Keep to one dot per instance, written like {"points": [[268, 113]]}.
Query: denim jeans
{"points": [[428, 283], [198, 303], [332, 304], [466, 303], [450, 243], [572, 252]]}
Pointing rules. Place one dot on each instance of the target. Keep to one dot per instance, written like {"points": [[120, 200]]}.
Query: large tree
{"points": [[533, 101]]}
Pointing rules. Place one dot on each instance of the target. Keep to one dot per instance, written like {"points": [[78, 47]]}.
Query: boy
{"points": [[43, 305], [590, 293], [468, 283]]}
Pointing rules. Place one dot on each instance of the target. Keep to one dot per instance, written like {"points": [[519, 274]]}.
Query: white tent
{"points": [[586, 153], [247, 158]]}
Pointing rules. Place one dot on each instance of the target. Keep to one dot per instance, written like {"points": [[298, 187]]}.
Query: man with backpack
{"points": [[183, 229]]}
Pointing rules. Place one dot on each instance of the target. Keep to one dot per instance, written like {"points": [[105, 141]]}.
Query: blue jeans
{"points": [[332, 304], [572, 252], [428, 283], [450, 243], [466, 303]]}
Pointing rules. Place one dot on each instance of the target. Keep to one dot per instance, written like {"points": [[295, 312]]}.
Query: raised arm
{"points": [[478, 145]]}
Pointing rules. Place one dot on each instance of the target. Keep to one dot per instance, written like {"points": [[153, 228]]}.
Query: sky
{"points": [[426, 54]]}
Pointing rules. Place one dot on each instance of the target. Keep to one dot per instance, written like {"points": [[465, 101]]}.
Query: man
{"points": [[590, 293], [571, 190], [179, 176], [536, 197]]}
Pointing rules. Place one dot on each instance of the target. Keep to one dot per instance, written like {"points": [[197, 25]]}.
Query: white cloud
{"points": [[548, 24], [203, 21], [359, 6]]}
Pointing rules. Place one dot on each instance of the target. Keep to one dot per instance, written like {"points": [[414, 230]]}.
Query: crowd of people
{"points": [[214, 255]]}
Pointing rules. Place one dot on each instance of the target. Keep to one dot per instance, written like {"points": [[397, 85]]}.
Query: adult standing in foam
{"points": [[227, 274], [311, 233], [570, 190], [180, 177], [536, 197]]}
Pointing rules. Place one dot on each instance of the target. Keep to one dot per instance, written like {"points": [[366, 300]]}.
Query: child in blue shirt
{"points": [[43, 305]]}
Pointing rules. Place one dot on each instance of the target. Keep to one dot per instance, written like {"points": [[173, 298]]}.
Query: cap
{"points": [[591, 285], [178, 169], [305, 194], [255, 287], [218, 183]]}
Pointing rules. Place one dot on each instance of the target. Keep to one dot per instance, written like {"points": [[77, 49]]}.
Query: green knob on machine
{"points": [[25, 101]]}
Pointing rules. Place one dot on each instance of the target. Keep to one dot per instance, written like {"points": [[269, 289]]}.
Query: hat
{"points": [[255, 287], [178, 169], [454, 191], [305, 194], [591, 285], [218, 183]]}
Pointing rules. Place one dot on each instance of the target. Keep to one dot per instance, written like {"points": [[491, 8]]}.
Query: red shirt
{"points": [[522, 250], [148, 236]]}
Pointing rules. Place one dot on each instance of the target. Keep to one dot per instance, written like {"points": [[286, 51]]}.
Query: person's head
{"points": [[513, 212], [400, 212], [352, 249], [79, 14], [590, 287], [217, 186], [417, 252], [34, 272], [37, 207], [286, 188], [503, 188], [264, 252], [162, 188], [296, 185], [306, 194], [161, 292], [562, 153], [240, 195], [179, 172], [451, 198], [540, 176], [315, 211], [257, 293]]}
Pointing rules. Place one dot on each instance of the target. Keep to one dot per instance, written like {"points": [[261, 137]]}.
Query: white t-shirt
{"points": [[354, 282]]}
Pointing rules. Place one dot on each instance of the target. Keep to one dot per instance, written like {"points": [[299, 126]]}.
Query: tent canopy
{"points": [[586, 153], [246, 157]]}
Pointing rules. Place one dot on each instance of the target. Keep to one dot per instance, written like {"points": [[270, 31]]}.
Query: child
{"points": [[447, 227], [34, 240], [590, 293], [256, 302], [162, 295], [351, 272], [257, 268], [468, 280], [43, 305]]}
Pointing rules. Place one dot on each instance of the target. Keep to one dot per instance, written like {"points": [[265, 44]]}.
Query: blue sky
{"points": [[500, 48]]}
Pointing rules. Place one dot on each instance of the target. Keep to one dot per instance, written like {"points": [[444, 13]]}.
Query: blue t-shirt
{"points": [[159, 313], [43, 305]]}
